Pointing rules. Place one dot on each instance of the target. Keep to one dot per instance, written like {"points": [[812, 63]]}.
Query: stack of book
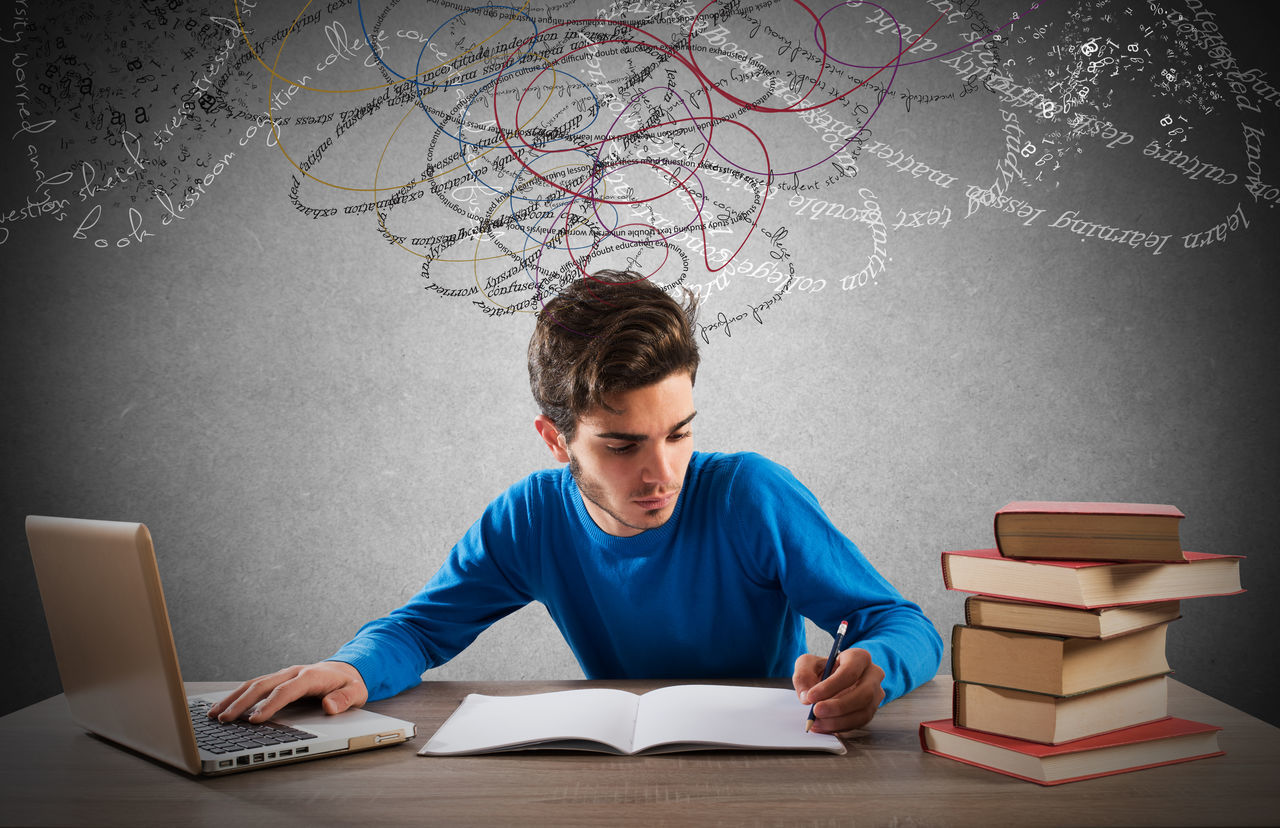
{"points": [[1060, 667]]}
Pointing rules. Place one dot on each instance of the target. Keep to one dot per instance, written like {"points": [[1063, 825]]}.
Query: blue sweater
{"points": [[719, 591]]}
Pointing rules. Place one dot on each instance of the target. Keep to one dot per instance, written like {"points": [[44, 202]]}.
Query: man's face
{"points": [[630, 466]]}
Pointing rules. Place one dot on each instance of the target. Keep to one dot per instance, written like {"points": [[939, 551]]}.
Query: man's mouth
{"points": [[650, 504]]}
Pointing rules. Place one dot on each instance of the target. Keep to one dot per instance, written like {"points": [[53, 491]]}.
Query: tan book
{"points": [[1088, 584], [1106, 622], [1054, 664], [1052, 720], [1089, 531]]}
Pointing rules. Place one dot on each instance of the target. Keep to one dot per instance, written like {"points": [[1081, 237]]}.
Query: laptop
{"points": [[119, 667]]}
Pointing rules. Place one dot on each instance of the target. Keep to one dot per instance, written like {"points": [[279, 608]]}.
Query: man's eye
{"points": [[621, 449], [681, 435]]}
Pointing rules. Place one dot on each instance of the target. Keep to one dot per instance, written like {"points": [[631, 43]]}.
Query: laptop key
{"points": [[220, 738]]}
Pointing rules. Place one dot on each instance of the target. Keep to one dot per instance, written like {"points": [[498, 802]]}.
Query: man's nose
{"points": [[659, 464]]}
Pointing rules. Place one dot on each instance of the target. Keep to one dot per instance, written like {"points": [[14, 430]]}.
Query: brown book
{"points": [[1088, 584], [1134, 748], [1053, 664], [1052, 720], [1105, 622], [1089, 531]]}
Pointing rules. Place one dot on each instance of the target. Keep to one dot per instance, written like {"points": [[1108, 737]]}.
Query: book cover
{"points": [[1164, 742], [1090, 584], [1089, 531]]}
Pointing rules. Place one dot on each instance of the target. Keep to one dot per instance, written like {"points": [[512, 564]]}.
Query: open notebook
{"points": [[679, 718]]}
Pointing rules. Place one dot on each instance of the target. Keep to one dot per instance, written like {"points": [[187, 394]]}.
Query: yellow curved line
{"points": [[272, 69], [376, 189], [279, 143]]}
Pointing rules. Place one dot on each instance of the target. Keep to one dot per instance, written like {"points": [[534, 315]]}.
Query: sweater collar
{"points": [[644, 541]]}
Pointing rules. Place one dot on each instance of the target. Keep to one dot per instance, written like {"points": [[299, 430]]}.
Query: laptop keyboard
{"points": [[232, 737]]}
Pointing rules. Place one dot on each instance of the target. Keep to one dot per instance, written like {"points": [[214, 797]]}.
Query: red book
{"points": [[1089, 531], [1090, 584], [1162, 742]]}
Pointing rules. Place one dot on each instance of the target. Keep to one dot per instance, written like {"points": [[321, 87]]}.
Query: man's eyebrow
{"points": [[640, 438]]}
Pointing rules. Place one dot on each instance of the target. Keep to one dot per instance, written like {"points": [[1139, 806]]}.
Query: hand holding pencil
{"points": [[843, 690]]}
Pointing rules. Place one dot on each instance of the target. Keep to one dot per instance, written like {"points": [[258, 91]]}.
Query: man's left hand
{"points": [[846, 699]]}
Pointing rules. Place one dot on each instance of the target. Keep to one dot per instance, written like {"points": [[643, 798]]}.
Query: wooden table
{"points": [[55, 774]]}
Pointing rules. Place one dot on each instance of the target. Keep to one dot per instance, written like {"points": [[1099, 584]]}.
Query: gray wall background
{"points": [[307, 426]]}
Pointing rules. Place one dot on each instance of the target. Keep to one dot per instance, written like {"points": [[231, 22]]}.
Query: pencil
{"points": [[826, 671]]}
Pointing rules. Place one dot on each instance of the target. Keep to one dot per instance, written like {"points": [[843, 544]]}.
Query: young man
{"points": [[655, 561]]}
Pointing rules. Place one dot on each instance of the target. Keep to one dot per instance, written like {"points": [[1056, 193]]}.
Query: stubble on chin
{"points": [[594, 494]]}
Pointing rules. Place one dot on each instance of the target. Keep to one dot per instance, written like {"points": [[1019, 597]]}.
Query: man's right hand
{"points": [[339, 685]]}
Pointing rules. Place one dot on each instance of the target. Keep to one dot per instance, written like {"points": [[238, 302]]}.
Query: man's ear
{"points": [[552, 437]]}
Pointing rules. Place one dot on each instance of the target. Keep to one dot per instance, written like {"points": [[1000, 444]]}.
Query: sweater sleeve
{"points": [[826, 578], [476, 586]]}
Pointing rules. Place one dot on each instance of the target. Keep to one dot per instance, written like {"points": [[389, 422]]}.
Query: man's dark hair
{"points": [[610, 332]]}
